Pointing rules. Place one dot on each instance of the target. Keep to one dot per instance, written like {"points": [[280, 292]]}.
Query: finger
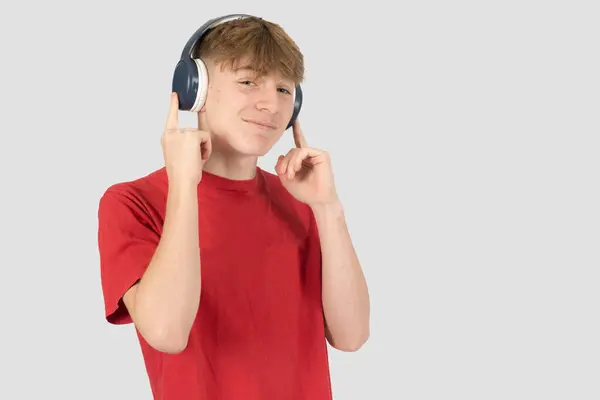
{"points": [[312, 157], [283, 162], [173, 117], [206, 148], [299, 138], [295, 163], [279, 165], [302, 157]]}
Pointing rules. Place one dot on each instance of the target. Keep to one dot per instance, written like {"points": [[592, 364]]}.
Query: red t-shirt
{"points": [[259, 333]]}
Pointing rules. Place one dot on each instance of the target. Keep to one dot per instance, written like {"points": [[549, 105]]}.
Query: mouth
{"points": [[261, 124]]}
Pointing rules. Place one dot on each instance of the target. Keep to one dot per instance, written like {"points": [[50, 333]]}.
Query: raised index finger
{"points": [[173, 117], [299, 138]]}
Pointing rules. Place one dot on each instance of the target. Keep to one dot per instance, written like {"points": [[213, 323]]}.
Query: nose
{"points": [[267, 99]]}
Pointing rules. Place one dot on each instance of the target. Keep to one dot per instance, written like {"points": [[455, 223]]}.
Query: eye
{"points": [[246, 82], [285, 90]]}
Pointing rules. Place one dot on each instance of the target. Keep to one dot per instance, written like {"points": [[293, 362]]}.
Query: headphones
{"points": [[190, 78]]}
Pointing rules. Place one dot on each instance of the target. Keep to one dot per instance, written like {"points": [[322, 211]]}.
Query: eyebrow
{"points": [[244, 68], [250, 68]]}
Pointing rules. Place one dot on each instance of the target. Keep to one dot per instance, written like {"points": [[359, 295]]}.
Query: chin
{"points": [[255, 150], [257, 142], [251, 145]]}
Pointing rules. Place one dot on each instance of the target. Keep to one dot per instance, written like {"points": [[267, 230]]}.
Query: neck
{"points": [[225, 161], [231, 167]]}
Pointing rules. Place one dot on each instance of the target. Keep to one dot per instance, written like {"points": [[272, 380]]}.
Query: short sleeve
{"points": [[126, 244]]}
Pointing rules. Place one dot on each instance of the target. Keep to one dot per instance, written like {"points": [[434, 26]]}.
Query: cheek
{"points": [[286, 111], [215, 96], [289, 105], [230, 103]]}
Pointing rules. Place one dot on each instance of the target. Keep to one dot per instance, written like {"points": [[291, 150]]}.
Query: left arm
{"points": [[346, 303], [307, 175]]}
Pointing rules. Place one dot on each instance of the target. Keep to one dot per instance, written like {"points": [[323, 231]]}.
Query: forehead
{"points": [[246, 65]]}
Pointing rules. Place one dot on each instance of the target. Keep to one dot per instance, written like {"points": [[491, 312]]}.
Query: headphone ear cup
{"points": [[298, 97], [190, 82], [185, 83], [202, 87]]}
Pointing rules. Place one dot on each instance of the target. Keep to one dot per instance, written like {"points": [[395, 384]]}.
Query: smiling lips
{"points": [[261, 124]]}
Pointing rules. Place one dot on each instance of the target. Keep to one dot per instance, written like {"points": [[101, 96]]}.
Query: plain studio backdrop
{"points": [[464, 138]]}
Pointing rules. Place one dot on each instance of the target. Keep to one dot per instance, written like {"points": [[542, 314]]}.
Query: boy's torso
{"points": [[259, 330]]}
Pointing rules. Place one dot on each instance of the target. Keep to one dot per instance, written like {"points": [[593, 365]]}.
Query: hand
{"points": [[306, 172], [185, 150]]}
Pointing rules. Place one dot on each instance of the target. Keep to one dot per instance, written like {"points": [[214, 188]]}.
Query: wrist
{"points": [[334, 207], [182, 186]]}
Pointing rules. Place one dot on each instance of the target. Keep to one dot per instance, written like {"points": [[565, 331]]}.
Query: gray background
{"points": [[464, 138]]}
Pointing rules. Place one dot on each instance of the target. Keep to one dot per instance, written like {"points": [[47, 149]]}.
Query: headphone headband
{"points": [[188, 50]]}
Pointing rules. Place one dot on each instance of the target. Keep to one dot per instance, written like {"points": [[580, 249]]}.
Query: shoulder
{"points": [[277, 191], [145, 193], [279, 195]]}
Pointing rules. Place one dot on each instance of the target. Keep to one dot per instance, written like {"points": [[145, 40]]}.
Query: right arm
{"points": [[157, 278], [163, 304]]}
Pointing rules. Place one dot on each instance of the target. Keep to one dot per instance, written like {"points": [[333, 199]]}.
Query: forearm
{"points": [[168, 294], [346, 302]]}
